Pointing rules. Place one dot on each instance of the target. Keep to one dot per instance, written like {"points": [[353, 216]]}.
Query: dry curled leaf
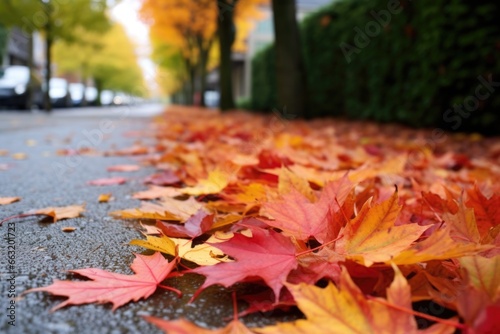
{"points": [[19, 156], [58, 213], [9, 200], [123, 168], [104, 198], [107, 181]]}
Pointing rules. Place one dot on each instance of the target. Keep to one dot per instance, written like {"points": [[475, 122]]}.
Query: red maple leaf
{"points": [[117, 289], [164, 178], [486, 210], [267, 254]]}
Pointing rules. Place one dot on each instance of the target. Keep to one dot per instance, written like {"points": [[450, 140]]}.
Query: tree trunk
{"points": [[191, 80], [192, 85], [290, 70], [226, 31], [48, 56], [204, 51], [31, 89], [48, 69], [98, 86], [84, 83]]}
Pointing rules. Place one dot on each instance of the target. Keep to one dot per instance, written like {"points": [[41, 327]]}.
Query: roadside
{"points": [[43, 252]]}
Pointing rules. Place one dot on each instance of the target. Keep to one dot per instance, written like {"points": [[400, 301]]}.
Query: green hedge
{"points": [[264, 80], [430, 56]]}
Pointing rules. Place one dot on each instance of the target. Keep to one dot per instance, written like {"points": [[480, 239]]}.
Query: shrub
{"points": [[417, 62]]}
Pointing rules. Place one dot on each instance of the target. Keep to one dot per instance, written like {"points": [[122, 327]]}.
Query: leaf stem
{"points": [[178, 292], [419, 314], [20, 216]]}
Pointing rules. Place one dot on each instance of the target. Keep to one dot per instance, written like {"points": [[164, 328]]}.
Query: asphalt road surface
{"points": [[32, 170]]}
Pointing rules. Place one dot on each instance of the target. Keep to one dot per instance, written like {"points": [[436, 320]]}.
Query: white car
{"points": [[77, 93], [122, 99], [107, 97], [14, 84], [59, 93], [91, 96]]}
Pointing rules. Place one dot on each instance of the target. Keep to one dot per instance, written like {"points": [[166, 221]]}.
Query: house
{"points": [[18, 48]]}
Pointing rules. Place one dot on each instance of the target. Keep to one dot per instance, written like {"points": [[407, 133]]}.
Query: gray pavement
{"points": [[44, 253]]}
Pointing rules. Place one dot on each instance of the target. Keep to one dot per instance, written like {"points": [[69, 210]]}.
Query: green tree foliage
{"points": [[109, 59], [264, 80], [423, 63], [56, 19], [4, 34]]}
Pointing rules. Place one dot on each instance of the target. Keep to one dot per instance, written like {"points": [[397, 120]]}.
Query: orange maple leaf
{"points": [[182, 326], [372, 236], [58, 213], [297, 216], [344, 310]]}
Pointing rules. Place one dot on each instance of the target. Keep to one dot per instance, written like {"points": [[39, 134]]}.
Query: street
{"points": [[31, 168]]}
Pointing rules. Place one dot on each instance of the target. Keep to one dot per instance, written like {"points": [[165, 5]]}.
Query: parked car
{"points": [[91, 96], [60, 96], [122, 99], [14, 84], [76, 91], [107, 97], [212, 98]]}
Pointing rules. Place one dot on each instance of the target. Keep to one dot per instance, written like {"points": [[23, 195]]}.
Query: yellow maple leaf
{"points": [[214, 183], [289, 181], [438, 246], [203, 254], [483, 274]]}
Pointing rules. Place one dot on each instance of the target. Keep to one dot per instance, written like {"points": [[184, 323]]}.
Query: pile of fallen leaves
{"points": [[351, 222]]}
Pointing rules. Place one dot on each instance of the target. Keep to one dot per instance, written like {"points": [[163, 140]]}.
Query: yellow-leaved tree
{"points": [[183, 33], [108, 59]]}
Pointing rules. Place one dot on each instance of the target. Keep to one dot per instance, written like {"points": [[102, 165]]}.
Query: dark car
{"points": [[14, 84]]}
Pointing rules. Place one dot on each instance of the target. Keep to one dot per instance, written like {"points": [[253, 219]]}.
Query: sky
{"points": [[126, 13]]}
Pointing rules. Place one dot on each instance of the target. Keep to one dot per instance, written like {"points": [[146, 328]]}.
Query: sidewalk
{"points": [[43, 252]]}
